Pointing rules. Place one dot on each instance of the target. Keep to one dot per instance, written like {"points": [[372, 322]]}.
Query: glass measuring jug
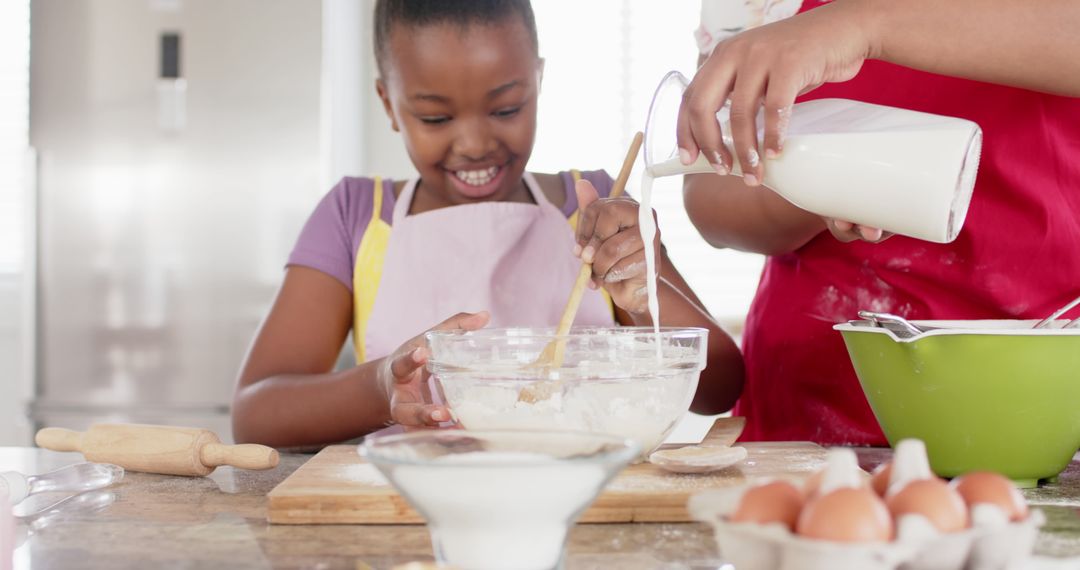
{"points": [[903, 171]]}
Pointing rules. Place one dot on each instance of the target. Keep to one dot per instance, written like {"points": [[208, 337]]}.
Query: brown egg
{"points": [[992, 488], [933, 499], [778, 502], [846, 515], [879, 481]]}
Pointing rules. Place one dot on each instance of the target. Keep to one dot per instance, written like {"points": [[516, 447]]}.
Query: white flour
{"points": [[644, 409], [511, 515], [367, 474]]}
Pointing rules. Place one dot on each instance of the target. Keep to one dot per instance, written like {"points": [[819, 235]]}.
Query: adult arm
{"points": [[1011, 42]]}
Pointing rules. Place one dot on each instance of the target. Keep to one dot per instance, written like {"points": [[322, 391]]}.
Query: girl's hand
{"points": [[847, 232], [404, 378], [608, 237], [768, 66]]}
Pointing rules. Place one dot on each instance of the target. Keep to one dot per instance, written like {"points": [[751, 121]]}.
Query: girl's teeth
{"points": [[477, 177]]}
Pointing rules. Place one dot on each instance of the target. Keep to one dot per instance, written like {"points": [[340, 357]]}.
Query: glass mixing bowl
{"points": [[499, 499], [624, 381]]}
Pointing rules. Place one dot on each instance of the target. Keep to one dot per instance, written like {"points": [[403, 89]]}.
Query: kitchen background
{"points": [[158, 157]]}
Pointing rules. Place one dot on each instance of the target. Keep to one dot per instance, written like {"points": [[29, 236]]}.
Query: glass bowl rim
{"points": [[624, 450], [964, 327], [548, 333]]}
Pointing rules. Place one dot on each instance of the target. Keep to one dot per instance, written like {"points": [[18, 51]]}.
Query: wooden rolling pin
{"points": [[167, 450]]}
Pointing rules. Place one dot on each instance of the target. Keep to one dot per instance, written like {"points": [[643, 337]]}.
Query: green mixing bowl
{"points": [[983, 395]]}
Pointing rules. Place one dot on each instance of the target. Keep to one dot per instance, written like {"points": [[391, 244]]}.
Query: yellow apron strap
{"points": [[367, 273], [573, 219]]}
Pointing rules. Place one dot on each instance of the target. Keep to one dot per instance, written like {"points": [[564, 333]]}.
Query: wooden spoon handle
{"points": [[575, 299], [724, 432], [586, 268], [585, 273], [559, 353], [627, 165]]}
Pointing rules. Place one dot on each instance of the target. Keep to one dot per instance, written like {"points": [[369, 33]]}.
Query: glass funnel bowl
{"points": [[499, 499]]}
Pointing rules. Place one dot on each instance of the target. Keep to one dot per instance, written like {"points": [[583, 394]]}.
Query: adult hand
{"points": [[403, 377], [768, 67], [609, 238], [848, 232]]}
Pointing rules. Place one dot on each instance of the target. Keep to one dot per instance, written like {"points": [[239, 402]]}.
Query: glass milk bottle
{"points": [[903, 171]]}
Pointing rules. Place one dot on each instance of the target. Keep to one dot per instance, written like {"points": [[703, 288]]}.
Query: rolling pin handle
{"points": [[59, 439], [244, 456]]}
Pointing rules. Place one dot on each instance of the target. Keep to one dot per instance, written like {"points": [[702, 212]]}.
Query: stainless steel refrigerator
{"points": [[178, 145]]}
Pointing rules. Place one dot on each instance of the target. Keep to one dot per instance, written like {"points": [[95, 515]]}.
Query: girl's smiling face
{"points": [[464, 99]]}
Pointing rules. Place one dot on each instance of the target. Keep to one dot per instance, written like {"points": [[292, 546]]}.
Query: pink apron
{"points": [[511, 259]]}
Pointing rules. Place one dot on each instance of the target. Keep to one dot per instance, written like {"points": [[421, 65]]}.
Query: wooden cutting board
{"points": [[338, 487]]}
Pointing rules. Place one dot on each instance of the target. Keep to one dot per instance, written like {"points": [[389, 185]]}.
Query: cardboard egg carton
{"points": [[991, 542], [754, 546]]}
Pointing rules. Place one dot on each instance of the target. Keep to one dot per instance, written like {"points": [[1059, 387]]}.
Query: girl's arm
{"points": [[287, 393], [722, 380]]}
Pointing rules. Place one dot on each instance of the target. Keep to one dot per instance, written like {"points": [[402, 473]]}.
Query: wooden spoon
{"points": [[715, 451], [555, 352]]}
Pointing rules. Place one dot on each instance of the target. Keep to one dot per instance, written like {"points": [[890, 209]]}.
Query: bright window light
{"points": [[14, 126], [604, 59]]}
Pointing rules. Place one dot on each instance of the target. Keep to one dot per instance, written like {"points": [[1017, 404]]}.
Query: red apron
{"points": [[1018, 256]]}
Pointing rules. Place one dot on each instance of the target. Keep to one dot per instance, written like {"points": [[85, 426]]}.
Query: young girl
{"points": [[476, 232]]}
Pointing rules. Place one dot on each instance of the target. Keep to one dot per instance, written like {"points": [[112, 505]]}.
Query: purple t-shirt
{"points": [[331, 236]]}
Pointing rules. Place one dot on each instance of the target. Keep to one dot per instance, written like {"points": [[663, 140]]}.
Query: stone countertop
{"points": [[157, 521]]}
